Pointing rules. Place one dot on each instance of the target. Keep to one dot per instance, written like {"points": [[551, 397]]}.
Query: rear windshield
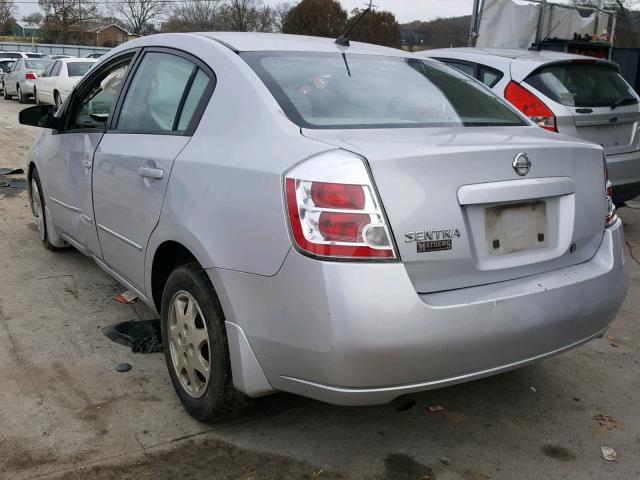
{"points": [[10, 55], [36, 64], [78, 69], [583, 85], [35, 55], [318, 90], [6, 64]]}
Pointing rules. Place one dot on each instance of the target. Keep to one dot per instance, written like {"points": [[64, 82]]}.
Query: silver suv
{"points": [[571, 94]]}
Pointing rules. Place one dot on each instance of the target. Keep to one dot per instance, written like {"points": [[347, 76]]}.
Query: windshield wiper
{"points": [[622, 100]]}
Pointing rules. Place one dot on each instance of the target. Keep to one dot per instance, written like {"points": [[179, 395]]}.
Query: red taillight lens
{"points": [[531, 106], [330, 219], [343, 227], [30, 76], [337, 195], [611, 208]]}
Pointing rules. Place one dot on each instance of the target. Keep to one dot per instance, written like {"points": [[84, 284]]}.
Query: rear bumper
{"points": [[357, 334], [624, 173]]}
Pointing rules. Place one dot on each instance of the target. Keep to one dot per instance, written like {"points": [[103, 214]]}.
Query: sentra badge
{"points": [[432, 240]]}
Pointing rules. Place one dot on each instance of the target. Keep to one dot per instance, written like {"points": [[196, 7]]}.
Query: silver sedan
{"points": [[348, 223], [20, 79]]}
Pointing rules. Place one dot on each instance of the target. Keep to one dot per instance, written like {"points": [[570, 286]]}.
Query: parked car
{"points": [[59, 78], [58, 56], [20, 80], [571, 94], [349, 224], [5, 65], [17, 55]]}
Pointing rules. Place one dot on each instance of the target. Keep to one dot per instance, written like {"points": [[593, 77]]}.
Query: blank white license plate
{"points": [[516, 227]]}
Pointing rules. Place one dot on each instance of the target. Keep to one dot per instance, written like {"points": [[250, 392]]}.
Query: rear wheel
{"points": [[57, 100], [195, 344], [21, 97], [40, 212]]}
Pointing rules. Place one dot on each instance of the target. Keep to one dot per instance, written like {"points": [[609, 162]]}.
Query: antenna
{"points": [[344, 39]]}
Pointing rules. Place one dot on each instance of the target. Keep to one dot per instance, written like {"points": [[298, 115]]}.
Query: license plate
{"points": [[516, 227]]}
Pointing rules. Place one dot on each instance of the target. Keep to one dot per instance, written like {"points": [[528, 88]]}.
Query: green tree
{"points": [[380, 28], [320, 18]]}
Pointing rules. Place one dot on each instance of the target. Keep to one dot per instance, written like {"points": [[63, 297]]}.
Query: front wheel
{"points": [[5, 94], [195, 344]]}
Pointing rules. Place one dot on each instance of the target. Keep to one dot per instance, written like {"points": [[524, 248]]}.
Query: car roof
{"points": [[263, 42], [521, 62]]}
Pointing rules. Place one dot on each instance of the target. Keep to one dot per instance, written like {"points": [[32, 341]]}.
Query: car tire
{"points": [[57, 101], [197, 341], [5, 94], [40, 212], [21, 97], [35, 96]]}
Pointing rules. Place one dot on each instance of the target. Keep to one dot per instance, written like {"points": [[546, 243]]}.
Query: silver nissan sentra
{"points": [[347, 223]]}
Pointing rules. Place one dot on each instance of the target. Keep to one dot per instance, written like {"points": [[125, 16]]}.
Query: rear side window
{"points": [[583, 85], [160, 90], [489, 76], [328, 90], [55, 71], [78, 69], [467, 68]]}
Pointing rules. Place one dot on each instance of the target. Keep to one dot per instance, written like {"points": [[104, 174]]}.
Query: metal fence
{"points": [[52, 49]]}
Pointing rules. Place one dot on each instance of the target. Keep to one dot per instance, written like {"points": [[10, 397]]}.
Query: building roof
{"points": [[99, 29], [249, 41], [29, 26]]}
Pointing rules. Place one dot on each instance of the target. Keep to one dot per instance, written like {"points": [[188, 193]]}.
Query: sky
{"points": [[404, 10]]}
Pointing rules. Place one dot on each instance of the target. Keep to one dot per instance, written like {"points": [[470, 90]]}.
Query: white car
{"points": [[17, 55], [579, 96], [59, 78]]}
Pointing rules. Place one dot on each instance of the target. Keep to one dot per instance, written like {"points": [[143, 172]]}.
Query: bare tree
{"points": [[195, 15], [628, 29], [280, 12], [240, 15], [35, 18], [7, 11], [138, 14], [61, 15]]}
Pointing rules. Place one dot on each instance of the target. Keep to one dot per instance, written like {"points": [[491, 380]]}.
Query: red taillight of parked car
{"points": [[611, 208], [531, 106], [30, 76], [330, 218]]}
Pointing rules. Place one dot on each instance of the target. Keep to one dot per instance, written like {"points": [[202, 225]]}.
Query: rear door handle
{"points": [[154, 173]]}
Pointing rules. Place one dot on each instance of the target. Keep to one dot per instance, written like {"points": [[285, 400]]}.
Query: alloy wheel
{"points": [[38, 211], [189, 344]]}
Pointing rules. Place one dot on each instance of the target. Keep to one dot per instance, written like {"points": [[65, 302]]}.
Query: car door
{"points": [[53, 80], [164, 100], [68, 157], [11, 78], [43, 84]]}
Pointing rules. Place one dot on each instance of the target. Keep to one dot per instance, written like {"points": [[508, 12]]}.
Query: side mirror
{"points": [[40, 116]]}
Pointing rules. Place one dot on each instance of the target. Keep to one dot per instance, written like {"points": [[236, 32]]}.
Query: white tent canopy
{"points": [[514, 23]]}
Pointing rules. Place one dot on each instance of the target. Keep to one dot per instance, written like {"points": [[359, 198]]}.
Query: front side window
{"points": [[318, 90], [6, 65], [92, 108], [159, 98], [583, 85], [78, 69]]}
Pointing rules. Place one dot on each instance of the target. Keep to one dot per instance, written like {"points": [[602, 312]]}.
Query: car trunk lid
{"points": [[603, 106], [460, 213]]}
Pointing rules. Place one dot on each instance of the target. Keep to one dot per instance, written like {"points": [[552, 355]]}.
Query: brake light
{"points": [[30, 76], [334, 211], [611, 208], [531, 106]]}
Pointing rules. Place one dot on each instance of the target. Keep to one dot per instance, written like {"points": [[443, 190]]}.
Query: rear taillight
{"points": [[611, 208], [531, 106], [30, 76], [334, 211]]}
